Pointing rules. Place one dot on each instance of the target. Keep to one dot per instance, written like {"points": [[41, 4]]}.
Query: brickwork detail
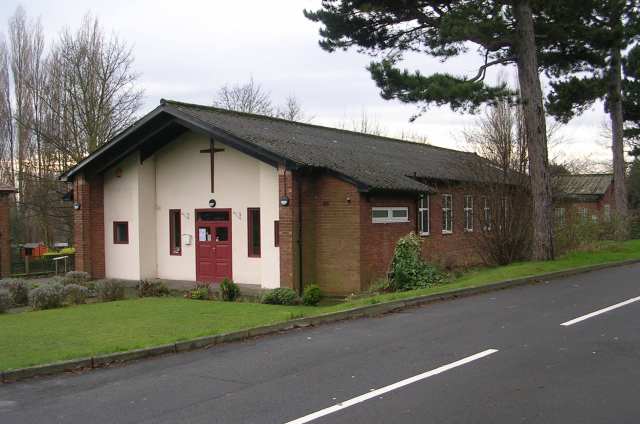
{"points": [[5, 235], [88, 226]]}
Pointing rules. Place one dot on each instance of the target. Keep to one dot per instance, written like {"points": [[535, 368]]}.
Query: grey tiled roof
{"points": [[378, 162], [582, 185]]}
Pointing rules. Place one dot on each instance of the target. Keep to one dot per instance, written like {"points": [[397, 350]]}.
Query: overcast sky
{"points": [[185, 50]]}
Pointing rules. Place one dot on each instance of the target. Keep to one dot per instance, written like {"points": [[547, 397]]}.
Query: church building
{"points": [[197, 194]]}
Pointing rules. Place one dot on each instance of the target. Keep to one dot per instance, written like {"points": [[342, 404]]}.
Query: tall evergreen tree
{"points": [[589, 66], [631, 100], [504, 32]]}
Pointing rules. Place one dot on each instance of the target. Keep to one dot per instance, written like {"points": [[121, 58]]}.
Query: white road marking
{"points": [[600, 311], [387, 389]]}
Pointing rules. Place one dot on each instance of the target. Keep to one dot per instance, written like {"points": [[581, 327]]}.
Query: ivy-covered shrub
{"points": [[280, 296], [5, 300], [229, 291], [76, 277], [109, 290], [75, 294], [18, 290], [311, 295], [408, 270], [152, 288], [48, 296], [199, 292]]}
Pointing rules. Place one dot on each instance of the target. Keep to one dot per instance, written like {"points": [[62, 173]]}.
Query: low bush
{"points": [[5, 300], [109, 290], [311, 295], [380, 285], [152, 288], [408, 270], [75, 294], [199, 292], [229, 291], [76, 277], [48, 296], [18, 290], [280, 296]]}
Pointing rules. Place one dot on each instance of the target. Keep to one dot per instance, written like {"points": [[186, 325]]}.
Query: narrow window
{"points": [[607, 213], [253, 222], [120, 232], [560, 216], [468, 213], [423, 215], [175, 232], [447, 214], [276, 233], [487, 215], [583, 214]]}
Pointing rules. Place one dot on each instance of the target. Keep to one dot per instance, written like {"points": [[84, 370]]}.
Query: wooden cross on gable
{"points": [[212, 151]]}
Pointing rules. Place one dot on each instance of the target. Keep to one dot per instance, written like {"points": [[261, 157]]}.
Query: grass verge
{"points": [[35, 338]]}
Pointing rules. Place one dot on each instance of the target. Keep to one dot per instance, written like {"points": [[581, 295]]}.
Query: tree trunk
{"points": [[535, 131], [614, 101]]}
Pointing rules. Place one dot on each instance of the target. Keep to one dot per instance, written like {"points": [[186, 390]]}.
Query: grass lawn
{"points": [[33, 338]]}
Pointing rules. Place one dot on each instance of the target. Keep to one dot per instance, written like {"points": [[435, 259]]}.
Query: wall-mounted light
{"points": [[76, 206], [348, 199], [284, 201], [212, 203], [119, 172]]}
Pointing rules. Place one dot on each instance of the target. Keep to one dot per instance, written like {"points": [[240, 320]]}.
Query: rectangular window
{"points": [[386, 215], [423, 216], [486, 215], [276, 233], [175, 232], [607, 213], [560, 216], [468, 212], [583, 214], [253, 222], [120, 232], [447, 214]]}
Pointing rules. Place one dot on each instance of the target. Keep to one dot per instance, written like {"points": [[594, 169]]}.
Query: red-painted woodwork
{"points": [[213, 245]]}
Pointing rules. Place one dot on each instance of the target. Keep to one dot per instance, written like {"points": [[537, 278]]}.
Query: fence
{"points": [[42, 265]]}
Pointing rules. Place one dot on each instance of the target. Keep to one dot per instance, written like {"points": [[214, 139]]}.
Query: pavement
{"points": [[501, 357]]}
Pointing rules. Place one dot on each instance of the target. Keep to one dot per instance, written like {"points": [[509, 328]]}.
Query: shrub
{"points": [[408, 270], [152, 288], [5, 300], [311, 295], [109, 290], [280, 296], [48, 296], [76, 277], [18, 290], [229, 290], [75, 294], [199, 292]]}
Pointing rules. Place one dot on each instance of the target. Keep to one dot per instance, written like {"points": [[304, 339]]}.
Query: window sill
{"points": [[446, 232], [424, 234], [468, 231]]}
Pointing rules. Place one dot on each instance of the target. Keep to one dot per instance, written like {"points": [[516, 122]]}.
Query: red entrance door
{"points": [[213, 245]]}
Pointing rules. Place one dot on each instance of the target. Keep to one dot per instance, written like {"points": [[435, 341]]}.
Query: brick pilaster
{"points": [[289, 269], [5, 235], [88, 225]]}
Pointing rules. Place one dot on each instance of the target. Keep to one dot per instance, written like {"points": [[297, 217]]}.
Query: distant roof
{"points": [[371, 162], [5, 188], [582, 185]]}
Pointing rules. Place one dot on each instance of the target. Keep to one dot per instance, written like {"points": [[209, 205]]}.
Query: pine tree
{"points": [[504, 32], [589, 66]]}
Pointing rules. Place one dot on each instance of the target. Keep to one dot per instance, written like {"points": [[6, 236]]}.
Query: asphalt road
{"points": [[400, 368]]}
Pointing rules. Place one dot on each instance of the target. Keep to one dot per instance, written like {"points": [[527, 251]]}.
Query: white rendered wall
{"points": [[183, 182]]}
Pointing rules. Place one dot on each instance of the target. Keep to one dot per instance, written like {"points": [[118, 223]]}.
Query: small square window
{"points": [[121, 232], [387, 215]]}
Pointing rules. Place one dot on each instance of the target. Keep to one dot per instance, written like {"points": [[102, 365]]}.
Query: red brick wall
{"points": [[88, 223], [288, 185], [335, 218], [5, 236], [378, 240]]}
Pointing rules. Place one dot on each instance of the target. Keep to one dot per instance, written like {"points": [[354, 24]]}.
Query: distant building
{"points": [[588, 196]]}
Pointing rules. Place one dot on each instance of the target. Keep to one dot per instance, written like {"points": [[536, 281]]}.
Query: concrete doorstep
{"points": [[83, 364]]}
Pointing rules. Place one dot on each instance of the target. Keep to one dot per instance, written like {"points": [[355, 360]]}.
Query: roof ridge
{"points": [[306, 124]]}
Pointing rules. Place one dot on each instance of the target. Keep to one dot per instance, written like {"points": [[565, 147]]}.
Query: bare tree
{"points": [[7, 168], [249, 97], [292, 111], [502, 234]]}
